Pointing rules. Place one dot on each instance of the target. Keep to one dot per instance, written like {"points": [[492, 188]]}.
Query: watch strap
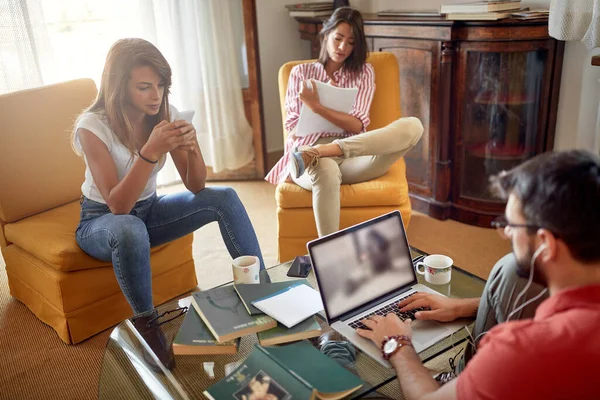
{"points": [[402, 340]]}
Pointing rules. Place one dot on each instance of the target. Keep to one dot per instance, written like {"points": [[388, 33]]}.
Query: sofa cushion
{"points": [[50, 236], [388, 190], [72, 290]]}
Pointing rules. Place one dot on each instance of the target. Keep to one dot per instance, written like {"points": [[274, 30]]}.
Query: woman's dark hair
{"points": [[123, 56], [560, 192], [357, 59]]}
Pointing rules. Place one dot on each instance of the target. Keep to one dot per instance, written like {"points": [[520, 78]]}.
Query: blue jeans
{"points": [[126, 239]]}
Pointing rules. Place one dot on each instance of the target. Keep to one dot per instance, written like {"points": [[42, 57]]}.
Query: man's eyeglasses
{"points": [[501, 223]]}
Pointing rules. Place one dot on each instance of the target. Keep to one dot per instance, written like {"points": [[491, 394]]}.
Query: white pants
{"points": [[366, 156]]}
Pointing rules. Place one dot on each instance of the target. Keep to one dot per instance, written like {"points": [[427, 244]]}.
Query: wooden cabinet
{"points": [[487, 94]]}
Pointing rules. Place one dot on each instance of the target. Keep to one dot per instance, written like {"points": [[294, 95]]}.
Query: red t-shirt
{"points": [[555, 355]]}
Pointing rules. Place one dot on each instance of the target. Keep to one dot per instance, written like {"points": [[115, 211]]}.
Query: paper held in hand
{"points": [[336, 98]]}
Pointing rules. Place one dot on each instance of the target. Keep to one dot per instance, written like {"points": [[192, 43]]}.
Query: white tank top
{"points": [[98, 125]]}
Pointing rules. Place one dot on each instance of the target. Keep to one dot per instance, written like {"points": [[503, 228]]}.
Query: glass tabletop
{"points": [[126, 374]]}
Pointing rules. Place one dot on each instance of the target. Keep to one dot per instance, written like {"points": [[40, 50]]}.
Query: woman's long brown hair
{"points": [[112, 99], [357, 59]]}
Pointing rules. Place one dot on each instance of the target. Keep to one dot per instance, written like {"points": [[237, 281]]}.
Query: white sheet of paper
{"points": [[291, 306], [336, 98]]}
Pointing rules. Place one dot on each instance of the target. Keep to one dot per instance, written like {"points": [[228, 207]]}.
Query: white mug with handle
{"points": [[437, 269]]}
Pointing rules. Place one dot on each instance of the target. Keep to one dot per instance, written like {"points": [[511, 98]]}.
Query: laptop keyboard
{"points": [[390, 308]]}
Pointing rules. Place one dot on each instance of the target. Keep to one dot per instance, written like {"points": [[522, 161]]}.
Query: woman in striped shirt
{"points": [[322, 161]]}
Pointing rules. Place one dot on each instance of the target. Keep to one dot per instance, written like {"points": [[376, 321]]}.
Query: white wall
{"points": [[579, 99], [279, 42]]}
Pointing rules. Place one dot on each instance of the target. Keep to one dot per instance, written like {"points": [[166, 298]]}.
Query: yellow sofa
{"points": [[359, 202], [40, 181]]}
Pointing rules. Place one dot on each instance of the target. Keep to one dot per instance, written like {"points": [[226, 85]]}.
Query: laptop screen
{"points": [[362, 263]]}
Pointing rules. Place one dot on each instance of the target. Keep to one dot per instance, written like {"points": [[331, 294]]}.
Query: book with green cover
{"points": [[251, 292], [194, 337], [297, 370], [225, 315], [306, 329]]}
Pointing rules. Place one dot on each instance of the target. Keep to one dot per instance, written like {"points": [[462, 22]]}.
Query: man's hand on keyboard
{"points": [[380, 327], [443, 309]]}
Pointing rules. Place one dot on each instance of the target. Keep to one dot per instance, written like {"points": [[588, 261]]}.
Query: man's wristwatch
{"points": [[390, 345]]}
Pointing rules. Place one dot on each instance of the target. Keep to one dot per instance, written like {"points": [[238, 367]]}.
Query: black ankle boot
{"points": [[157, 341]]}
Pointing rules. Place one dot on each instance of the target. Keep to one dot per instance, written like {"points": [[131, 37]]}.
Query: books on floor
{"points": [[295, 371], [194, 337], [291, 305], [480, 7], [280, 334], [225, 314], [252, 292]]}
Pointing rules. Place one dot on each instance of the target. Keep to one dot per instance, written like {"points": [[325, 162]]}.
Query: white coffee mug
{"points": [[246, 269], [436, 268]]}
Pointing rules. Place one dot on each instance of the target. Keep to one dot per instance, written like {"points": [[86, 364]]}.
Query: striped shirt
{"points": [[364, 81]]}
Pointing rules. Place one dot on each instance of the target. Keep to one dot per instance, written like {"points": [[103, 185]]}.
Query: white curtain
{"points": [[596, 145], [198, 39], [47, 41], [22, 40], [577, 20]]}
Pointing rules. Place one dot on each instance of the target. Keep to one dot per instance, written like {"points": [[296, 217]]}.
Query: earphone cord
{"points": [[531, 269], [473, 341]]}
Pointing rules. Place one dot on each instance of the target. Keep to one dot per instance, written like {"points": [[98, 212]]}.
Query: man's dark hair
{"points": [[357, 59], [560, 192]]}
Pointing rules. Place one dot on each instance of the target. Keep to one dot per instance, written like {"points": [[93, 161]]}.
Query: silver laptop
{"points": [[367, 269]]}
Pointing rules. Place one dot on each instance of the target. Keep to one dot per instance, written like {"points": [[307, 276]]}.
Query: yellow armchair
{"points": [[40, 181], [359, 202]]}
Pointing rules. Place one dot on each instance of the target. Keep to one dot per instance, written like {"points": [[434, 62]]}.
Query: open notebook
{"points": [[291, 305], [336, 98]]}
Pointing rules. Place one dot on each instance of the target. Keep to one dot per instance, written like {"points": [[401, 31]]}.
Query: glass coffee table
{"points": [[126, 374]]}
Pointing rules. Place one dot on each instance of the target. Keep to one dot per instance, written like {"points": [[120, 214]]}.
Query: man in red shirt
{"points": [[553, 221]]}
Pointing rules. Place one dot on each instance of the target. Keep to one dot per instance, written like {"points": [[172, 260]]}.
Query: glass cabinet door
{"points": [[500, 115]]}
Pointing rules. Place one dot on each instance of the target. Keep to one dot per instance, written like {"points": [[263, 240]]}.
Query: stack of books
{"points": [[296, 371], [482, 10], [531, 14], [318, 9], [278, 312], [404, 13]]}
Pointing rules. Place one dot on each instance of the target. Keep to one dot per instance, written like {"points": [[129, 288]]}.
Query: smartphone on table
{"points": [[300, 267]]}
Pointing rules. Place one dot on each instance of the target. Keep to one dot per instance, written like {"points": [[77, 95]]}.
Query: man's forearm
{"points": [[469, 307], [415, 380]]}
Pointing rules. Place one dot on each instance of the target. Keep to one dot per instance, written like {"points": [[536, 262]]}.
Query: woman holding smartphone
{"points": [[124, 137], [322, 161]]}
